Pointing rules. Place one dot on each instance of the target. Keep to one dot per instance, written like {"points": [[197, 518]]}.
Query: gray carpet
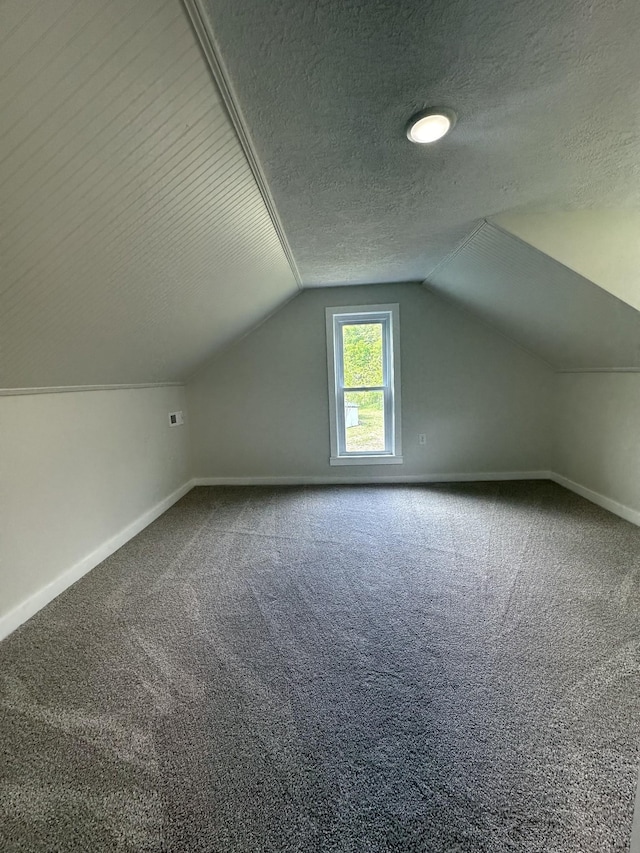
{"points": [[444, 668]]}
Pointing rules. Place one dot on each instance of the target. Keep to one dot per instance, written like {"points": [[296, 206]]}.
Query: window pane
{"points": [[362, 354], [364, 421]]}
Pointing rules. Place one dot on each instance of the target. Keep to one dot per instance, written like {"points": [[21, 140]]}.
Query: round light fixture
{"points": [[430, 125]]}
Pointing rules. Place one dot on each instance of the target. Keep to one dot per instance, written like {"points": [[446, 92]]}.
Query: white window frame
{"points": [[336, 319]]}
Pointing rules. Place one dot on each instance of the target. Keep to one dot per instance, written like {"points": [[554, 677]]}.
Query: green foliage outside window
{"points": [[362, 344]]}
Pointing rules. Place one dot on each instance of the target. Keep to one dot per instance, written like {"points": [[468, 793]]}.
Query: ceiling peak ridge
{"points": [[207, 41]]}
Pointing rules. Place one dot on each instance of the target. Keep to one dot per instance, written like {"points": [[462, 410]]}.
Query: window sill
{"points": [[366, 460]]}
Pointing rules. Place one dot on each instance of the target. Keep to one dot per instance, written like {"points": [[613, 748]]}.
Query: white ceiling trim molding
{"points": [[220, 75], [67, 389], [602, 370]]}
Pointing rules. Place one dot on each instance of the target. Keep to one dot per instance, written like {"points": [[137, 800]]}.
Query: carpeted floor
{"points": [[350, 669]]}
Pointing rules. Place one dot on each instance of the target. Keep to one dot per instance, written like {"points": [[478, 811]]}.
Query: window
{"points": [[364, 384]]}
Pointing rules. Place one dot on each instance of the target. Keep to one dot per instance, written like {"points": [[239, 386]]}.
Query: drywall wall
{"points": [[76, 470], [596, 445], [555, 313], [261, 408], [601, 245]]}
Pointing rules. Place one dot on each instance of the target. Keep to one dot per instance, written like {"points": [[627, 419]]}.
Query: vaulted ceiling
{"points": [[149, 215], [546, 94]]}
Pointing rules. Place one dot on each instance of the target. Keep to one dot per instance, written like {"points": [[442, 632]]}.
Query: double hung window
{"points": [[364, 384]]}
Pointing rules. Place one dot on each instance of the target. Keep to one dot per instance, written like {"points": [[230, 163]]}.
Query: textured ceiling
{"points": [[555, 313], [545, 91], [134, 240]]}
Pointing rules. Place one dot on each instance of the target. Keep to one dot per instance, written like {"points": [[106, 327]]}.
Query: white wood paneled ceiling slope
{"points": [[558, 315], [134, 238], [138, 234]]}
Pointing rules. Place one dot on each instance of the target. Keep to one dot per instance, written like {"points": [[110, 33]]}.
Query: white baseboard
{"points": [[23, 611], [633, 516], [634, 844], [622, 510], [371, 478], [27, 608]]}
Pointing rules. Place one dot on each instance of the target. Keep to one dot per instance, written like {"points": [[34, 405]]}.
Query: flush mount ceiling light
{"points": [[430, 125]]}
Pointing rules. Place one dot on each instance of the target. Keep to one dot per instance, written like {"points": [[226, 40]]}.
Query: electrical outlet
{"points": [[176, 419], [422, 438]]}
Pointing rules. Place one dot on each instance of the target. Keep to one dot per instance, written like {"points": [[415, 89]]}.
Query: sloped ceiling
{"points": [[134, 240], [602, 245], [545, 91], [555, 313]]}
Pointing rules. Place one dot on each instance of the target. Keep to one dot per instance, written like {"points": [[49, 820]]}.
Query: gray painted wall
{"points": [[76, 469], [597, 418], [261, 408], [601, 245], [557, 314]]}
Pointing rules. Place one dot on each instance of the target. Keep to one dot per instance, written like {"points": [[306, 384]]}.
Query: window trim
{"points": [[337, 317]]}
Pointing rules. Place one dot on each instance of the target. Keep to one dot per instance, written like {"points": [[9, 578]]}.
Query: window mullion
{"points": [[388, 419], [339, 360], [388, 390], [342, 435]]}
